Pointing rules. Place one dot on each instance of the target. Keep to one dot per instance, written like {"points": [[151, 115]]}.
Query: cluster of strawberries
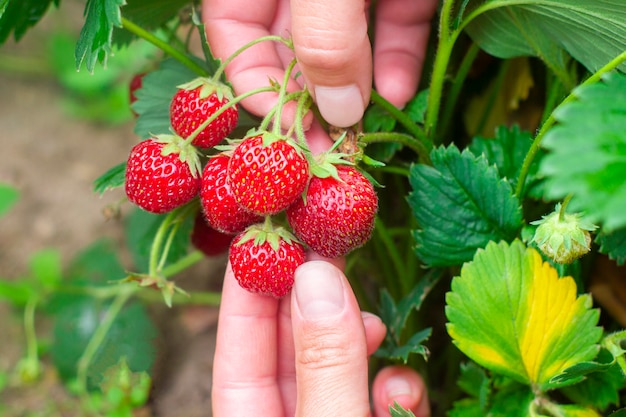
{"points": [[243, 186]]}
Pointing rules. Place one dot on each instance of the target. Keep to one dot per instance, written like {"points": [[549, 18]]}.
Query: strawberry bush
{"points": [[480, 221]]}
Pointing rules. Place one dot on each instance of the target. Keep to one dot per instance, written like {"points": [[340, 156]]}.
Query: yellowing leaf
{"points": [[511, 313]]}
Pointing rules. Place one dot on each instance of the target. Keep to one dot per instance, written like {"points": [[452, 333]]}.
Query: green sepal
{"points": [[187, 153], [207, 87]]}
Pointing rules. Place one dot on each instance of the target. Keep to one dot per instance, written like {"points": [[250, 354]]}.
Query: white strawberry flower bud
{"points": [[563, 237]]}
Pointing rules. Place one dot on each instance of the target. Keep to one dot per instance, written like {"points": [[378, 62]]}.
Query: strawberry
{"points": [[162, 173], [264, 259], [134, 85], [267, 173], [208, 240], [337, 215], [220, 208], [194, 103]]}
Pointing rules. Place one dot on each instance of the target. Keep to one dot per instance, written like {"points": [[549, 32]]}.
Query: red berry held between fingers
{"points": [[264, 261], [194, 103], [337, 215], [267, 173], [161, 176], [220, 208]]}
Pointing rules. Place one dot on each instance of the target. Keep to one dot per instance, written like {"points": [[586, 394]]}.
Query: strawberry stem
{"points": [[412, 127], [276, 128], [224, 64], [303, 106], [164, 46], [225, 107], [407, 140], [270, 115]]}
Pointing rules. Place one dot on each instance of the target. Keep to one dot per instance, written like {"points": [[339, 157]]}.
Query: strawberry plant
{"points": [[481, 221]]}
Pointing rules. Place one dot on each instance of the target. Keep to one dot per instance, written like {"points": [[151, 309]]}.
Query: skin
{"points": [[306, 355]]}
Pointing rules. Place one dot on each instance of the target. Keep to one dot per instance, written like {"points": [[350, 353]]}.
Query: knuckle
{"points": [[320, 351]]}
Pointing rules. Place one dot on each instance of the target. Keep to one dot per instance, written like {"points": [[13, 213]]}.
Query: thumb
{"points": [[330, 344], [334, 53]]}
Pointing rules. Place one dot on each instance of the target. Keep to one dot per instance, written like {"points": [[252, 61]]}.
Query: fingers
{"points": [[375, 331], [330, 344], [334, 53], [230, 24], [403, 385], [402, 29], [247, 334]]}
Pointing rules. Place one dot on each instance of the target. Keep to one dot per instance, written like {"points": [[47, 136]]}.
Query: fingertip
{"points": [[402, 385]]}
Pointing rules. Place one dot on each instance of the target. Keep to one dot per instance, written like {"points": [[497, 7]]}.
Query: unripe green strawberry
{"points": [[220, 208], [337, 215], [563, 237], [162, 173], [267, 173], [194, 103], [264, 259]]}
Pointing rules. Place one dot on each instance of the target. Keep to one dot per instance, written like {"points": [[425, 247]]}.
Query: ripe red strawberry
{"points": [[337, 215], [220, 208], [267, 173], [208, 240], [264, 260], [162, 174], [194, 103]]}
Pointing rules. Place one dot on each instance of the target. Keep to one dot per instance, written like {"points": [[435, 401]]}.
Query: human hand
{"points": [[304, 355], [333, 50]]}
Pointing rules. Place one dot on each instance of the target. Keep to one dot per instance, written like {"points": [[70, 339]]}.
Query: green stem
{"points": [[564, 205], [401, 138], [276, 128], [29, 329], [458, 83], [164, 46], [270, 115], [188, 210], [412, 127], [182, 264], [220, 70], [392, 251], [535, 146], [302, 108], [100, 334], [447, 38]]}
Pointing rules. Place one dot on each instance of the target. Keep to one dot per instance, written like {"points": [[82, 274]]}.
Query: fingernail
{"points": [[319, 291], [397, 387], [340, 106]]}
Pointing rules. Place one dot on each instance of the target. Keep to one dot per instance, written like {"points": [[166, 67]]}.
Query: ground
{"points": [[52, 158]]}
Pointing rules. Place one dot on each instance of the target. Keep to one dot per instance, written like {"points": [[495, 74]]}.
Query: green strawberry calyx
{"points": [[187, 153], [208, 86], [266, 232]]}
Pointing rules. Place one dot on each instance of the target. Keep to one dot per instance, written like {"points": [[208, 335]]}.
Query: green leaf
{"points": [[131, 336], [94, 44], [461, 204], [413, 345], [152, 14], [397, 410], [416, 107], [592, 32], [395, 315], [16, 292], [511, 313], [155, 95], [475, 382], [506, 151], [619, 413], [587, 153], [613, 244], [8, 198], [599, 389], [46, 268], [113, 178], [18, 16]]}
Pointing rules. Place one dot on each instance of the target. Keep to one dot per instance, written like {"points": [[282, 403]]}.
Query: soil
{"points": [[53, 158]]}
